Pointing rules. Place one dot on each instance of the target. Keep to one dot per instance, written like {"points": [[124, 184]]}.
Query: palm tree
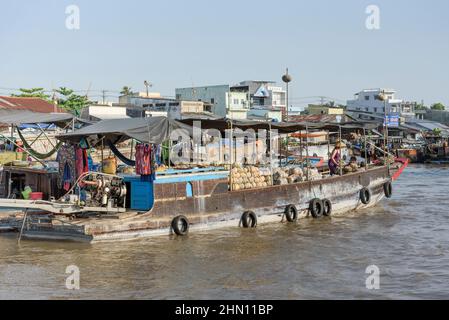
{"points": [[126, 91]]}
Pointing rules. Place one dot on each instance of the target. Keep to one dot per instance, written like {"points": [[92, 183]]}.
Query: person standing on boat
{"points": [[334, 161]]}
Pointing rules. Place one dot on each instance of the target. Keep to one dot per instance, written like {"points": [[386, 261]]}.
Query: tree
{"points": [[32, 93], [72, 102], [438, 106], [126, 91], [421, 106]]}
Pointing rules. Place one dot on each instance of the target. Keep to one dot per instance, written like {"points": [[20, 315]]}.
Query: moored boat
{"points": [[116, 208]]}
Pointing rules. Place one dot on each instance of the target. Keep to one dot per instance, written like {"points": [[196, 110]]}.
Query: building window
{"points": [[375, 110], [236, 101], [367, 98], [212, 100]]}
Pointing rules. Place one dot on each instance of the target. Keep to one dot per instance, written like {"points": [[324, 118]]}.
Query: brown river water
{"points": [[406, 237]]}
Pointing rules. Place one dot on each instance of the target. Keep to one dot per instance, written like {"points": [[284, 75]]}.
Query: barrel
{"points": [[110, 165]]}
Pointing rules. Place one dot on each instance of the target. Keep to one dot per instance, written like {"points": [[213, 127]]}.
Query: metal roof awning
{"points": [[19, 117]]}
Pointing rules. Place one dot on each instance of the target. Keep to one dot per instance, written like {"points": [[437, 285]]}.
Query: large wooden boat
{"points": [[202, 200]]}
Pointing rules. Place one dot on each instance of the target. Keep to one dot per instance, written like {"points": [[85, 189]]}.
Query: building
{"points": [[266, 98], [30, 104], [225, 101], [368, 105], [315, 109], [247, 100], [436, 115], [104, 112], [154, 105]]}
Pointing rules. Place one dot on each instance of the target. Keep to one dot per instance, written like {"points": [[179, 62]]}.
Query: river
{"points": [[406, 237]]}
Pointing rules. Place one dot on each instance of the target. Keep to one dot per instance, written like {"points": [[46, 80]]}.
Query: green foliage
{"points": [[438, 106], [437, 131], [126, 91], [32, 93], [421, 106], [72, 102]]}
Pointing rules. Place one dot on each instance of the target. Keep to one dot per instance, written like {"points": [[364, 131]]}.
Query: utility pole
{"points": [[147, 85], [104, 96]]}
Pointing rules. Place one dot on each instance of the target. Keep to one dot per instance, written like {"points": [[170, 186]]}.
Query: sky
{"points": [[176, 43]]}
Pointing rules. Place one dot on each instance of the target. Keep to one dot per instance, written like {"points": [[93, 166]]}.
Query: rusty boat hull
{"points": [[213, 206]]}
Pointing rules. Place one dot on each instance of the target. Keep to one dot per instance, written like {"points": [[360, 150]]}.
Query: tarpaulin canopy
{"points": [[148, 130], [156, 130], [19, 117], [281, 127]]}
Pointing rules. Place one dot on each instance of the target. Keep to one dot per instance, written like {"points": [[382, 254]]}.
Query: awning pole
{"points": [[271, 158], [46, 136], [230, 157], [366, 150], [307, 153], [341, 150]]}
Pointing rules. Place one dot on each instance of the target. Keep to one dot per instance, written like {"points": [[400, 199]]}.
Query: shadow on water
{"points": [[407, 237]]}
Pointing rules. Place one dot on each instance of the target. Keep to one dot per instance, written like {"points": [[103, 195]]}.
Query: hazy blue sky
{"points": [[177, 43]]}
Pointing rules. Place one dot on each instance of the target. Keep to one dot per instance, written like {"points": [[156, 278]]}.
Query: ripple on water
{"points": [[406, 237]]}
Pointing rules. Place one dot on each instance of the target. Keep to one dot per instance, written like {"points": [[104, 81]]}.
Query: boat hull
{"points": [[212, 206]]}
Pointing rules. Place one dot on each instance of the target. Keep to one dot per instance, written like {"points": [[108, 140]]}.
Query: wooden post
{"points": [[132, 150], [271, 158], [102, 154]]}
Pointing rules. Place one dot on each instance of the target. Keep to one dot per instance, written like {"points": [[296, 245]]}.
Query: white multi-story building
{"points": [[154, 105], [226, 101], [267, 99], [367, 104], [248, 99]]}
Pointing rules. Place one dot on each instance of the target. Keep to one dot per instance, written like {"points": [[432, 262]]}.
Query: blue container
{"points": [[141, 194]]}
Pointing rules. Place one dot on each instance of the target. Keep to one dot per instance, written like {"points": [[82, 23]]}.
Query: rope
{"points": [[33, 152]]}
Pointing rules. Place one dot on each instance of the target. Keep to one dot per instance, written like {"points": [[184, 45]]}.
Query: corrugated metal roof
{"points": [[30, 104]]}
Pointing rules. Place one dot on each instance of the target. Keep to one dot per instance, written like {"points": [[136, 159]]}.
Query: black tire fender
{"points": [[249, 219], [316, 208], [388, 189], [327, 208], [291, 213], [365, 196], [180, 225]]}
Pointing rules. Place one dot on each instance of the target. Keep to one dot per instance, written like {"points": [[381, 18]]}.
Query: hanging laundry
{"points": [[82, 163], [143, 159], [67, 166]]}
